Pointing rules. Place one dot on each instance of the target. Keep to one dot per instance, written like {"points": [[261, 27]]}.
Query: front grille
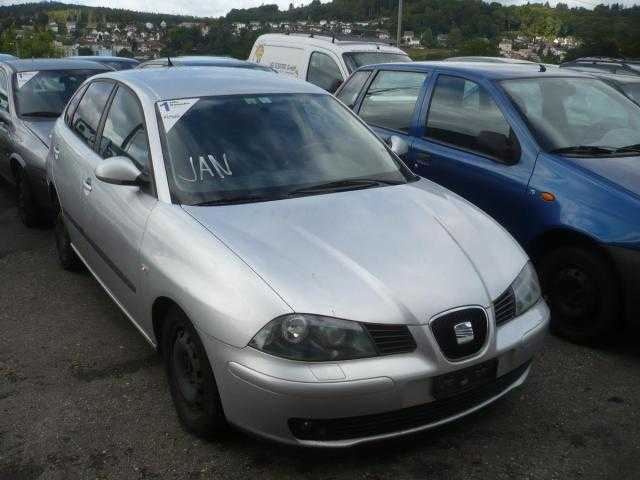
{"points": [[504, 307], [466, 322], [390, 339], [399, 420]]}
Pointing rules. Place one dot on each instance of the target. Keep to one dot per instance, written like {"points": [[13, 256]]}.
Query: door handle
{"points": [[87, 185], [423, 158]]}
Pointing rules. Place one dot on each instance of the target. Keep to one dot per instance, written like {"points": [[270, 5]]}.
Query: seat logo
{"points": [[464, 332]]}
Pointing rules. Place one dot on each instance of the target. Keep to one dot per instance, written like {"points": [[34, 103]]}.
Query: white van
{"points": [[321, 59]]}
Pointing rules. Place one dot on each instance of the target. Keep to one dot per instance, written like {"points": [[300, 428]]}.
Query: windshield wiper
{"points": [[43, 114], [584, 150], [629, 148], [236, 199], [344, 184]]}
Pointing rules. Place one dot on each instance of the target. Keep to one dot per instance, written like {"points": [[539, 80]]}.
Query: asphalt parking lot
{"points": [[83, 396]]}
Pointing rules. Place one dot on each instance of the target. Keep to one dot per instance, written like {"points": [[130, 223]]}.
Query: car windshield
{"points": [[632, 90], [580, 116], [355, 60], [244, 148], [44, 93]]}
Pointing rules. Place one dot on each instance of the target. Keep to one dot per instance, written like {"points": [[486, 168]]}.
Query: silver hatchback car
{"points": [[300, 282]]}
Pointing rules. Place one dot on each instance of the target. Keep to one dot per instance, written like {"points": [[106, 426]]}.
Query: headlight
{"points": [[314, 338], [526, 289]]}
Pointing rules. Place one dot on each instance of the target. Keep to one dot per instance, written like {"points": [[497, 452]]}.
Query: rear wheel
{"points": [[27, 207], [581, 290], [191, 380]]}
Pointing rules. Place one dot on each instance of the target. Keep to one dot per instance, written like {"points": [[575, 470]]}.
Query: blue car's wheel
{"points": [[582, 291]]}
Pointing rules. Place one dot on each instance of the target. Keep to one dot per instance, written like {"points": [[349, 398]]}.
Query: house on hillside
{"points": [[52, 27]]}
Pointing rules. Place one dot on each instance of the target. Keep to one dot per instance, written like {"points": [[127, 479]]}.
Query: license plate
{"points": [[454, 383]]}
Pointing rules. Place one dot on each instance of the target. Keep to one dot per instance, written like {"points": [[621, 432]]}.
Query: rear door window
{"points": [[349, 93], [391, 99], [324, 72], [87, 116], [4, 91]]}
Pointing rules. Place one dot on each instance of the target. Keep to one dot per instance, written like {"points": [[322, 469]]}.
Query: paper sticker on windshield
{"points": [[172, 110], [24, 77]]}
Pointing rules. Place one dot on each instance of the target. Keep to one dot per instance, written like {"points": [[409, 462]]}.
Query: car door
{"points": [[323, 71], [117, 213], [74, 157], [390, 104], [466, 144], [6, 125]]}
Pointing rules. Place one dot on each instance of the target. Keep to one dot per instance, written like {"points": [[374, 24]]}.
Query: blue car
{"points": [[551, 154]]}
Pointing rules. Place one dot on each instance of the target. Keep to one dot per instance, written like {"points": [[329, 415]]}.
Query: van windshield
{"points": [[246, 148], [577, 116], [355, 60]]}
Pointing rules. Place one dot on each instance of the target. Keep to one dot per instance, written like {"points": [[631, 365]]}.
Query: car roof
{"points": [[99, 58], [26, 65], [186, 82], [488, 60], [490, 70], [330, 42], [204, 60], [613, 77]]}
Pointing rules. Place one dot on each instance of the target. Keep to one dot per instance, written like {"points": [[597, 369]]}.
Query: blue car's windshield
{"points": [[260, 147], [44, 93], [581, 116], [632, 90], [355, 60]]}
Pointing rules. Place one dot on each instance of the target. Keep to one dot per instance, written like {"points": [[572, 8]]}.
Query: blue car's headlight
{"points": [[314, 338], [526, 289]]}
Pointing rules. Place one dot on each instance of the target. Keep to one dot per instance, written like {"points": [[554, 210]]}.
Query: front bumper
{"points": [[267, 395]]}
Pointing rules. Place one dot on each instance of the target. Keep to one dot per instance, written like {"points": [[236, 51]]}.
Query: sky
{"points": [[216, 8]]}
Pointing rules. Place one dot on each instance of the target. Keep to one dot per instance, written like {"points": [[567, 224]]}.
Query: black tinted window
{"points": [[124, 132], [349, 93], [324, 72], [462, 113], [4, 96], [87, 116], [391, 99]]}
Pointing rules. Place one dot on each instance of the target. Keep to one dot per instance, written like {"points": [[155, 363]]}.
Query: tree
{"points": [[477, 47], [427, 39], [455, 37], [37, 45]]}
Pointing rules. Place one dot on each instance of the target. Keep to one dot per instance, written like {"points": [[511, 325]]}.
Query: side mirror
{"points": [[499, 146], [119, 171], [398, 145]]}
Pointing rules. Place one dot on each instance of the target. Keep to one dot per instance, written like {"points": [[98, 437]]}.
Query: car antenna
{"points": [[543, 68], [169, 62]]}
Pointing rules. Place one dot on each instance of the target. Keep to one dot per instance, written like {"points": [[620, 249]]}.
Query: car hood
{"points": [[623, 171], [41, 129], [397, 254]]}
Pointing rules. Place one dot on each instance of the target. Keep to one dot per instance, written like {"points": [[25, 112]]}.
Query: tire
{"points": [[27, 207], [66, 255], [191, 380], [581, 289]]}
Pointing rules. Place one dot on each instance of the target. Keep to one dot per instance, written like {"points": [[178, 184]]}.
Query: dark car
{"points": [[33, 93], [605, 65], [116, 63], [553, 155], [203, 61]]}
